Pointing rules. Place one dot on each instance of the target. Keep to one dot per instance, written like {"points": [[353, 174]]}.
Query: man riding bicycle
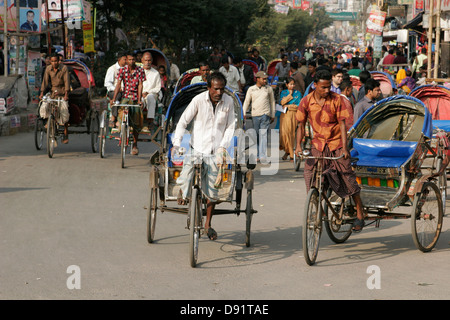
{"points": [[212, 113], [327, 116]]}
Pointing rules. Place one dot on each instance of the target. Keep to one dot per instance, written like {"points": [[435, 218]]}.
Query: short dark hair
{"points": [[294, 65], [322, 75], [345, 84], [203, 64], [217, 76], [336, 71], [237, 59], [312, 63], [364, 76], [370, 85]]}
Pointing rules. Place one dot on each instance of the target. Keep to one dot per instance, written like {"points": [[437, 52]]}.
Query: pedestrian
{"points": [[231, 73], [326, 115], [363, 77], [132, 78], [373, 91], [290, 99], [262, 101], [348, 100], [214, 59], [299, 80], [282, 68], [247, 76], [257, 58], [312, 65], [337, 75], [389, 59], [409, 82], [419, 61], [355, 70]]}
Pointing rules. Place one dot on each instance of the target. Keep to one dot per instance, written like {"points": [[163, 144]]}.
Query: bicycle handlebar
{"points": [[127, 105], [325, 158]]}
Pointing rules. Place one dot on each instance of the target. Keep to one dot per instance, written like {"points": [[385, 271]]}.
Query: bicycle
{"points": [[52, 127], [337, 215]]}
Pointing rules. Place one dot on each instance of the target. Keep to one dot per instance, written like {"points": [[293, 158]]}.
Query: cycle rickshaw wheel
{"points": [[338, 232], [195, 224], [151, 214], [39, 132], [102, 134], [442, 183], [248, 217], [123, 142], [51, 137], [94, 131], [311, 228], [427, 216]]}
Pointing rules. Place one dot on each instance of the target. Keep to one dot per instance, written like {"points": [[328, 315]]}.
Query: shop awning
{"points": [[414, 22]]}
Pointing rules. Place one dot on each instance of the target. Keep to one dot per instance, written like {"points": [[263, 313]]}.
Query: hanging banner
{"points": [[73, 11], [88, 37], [11, 15], [375, 23]]}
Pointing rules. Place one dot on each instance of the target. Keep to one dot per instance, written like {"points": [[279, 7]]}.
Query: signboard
{"points": [[73, 11], [445, 5], [375, 23], [419, 6], [11, 15], [377, 45], [396, 11], [88, 37], [343, 16]]}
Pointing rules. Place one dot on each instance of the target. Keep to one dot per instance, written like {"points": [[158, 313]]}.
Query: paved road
{"points": [[78, 219]]}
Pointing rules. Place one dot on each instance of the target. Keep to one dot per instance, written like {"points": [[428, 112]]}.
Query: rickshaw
{"points": [[123, 135], [271, 70], [388, 146], [355, 82], [166, 168], [83, 119], [387, 84], [252, 64], [185, 79]]}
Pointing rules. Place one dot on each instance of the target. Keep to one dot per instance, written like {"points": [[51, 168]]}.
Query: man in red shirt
{"points": [[327, 115], [132, 77], [389, 59]]}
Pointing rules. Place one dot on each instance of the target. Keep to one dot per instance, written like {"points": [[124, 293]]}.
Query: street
{"points": [[74, 227]]}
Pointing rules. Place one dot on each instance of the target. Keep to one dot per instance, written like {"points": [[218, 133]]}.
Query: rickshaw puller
{"points": [[327, 115], [212, 113]]}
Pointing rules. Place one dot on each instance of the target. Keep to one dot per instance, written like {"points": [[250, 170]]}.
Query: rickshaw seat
{"points": [[382, 153]]}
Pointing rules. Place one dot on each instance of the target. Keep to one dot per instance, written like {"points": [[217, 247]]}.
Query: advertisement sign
{"points": [[73, 11], [375, 23], [11, 15], [445, 5], [88, 37]]}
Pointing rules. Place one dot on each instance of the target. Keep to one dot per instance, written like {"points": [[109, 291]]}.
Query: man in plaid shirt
{"points": [[132, 76]]}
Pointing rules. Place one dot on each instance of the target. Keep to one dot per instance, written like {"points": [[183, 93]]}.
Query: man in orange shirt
{"points": [[327, 116]]}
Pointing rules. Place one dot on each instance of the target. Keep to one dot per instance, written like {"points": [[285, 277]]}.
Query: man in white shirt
{"points": [[232, 75], [212, 114], [110, 84], [261, 98], [150, 88]]}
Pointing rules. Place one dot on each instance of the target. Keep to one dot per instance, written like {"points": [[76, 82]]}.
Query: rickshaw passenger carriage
{"points": [[388, 146], [165, 169], [81, 113]]}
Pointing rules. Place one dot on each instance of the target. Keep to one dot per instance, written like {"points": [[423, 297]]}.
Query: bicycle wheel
{"points": [[51, 135], [123, 142], [103, 133], [151, 214], [442, 183], [427, 216], [312, 227], [248, 217], [94, 131], [195, 224], [39, 132], [338, 231]]}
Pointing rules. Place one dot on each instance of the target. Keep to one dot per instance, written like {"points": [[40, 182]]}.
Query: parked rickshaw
{"points": [[436, 98], [388, 143], [387, 84], [166, 168], [82, 119]]}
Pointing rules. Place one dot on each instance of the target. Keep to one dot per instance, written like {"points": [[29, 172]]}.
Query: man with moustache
{"points": [[212, 115]]}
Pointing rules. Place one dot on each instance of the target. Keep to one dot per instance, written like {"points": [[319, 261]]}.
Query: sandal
{"points": [[135, 151], [65, 139], [358, 225], [212, 234], [284, 157]]}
